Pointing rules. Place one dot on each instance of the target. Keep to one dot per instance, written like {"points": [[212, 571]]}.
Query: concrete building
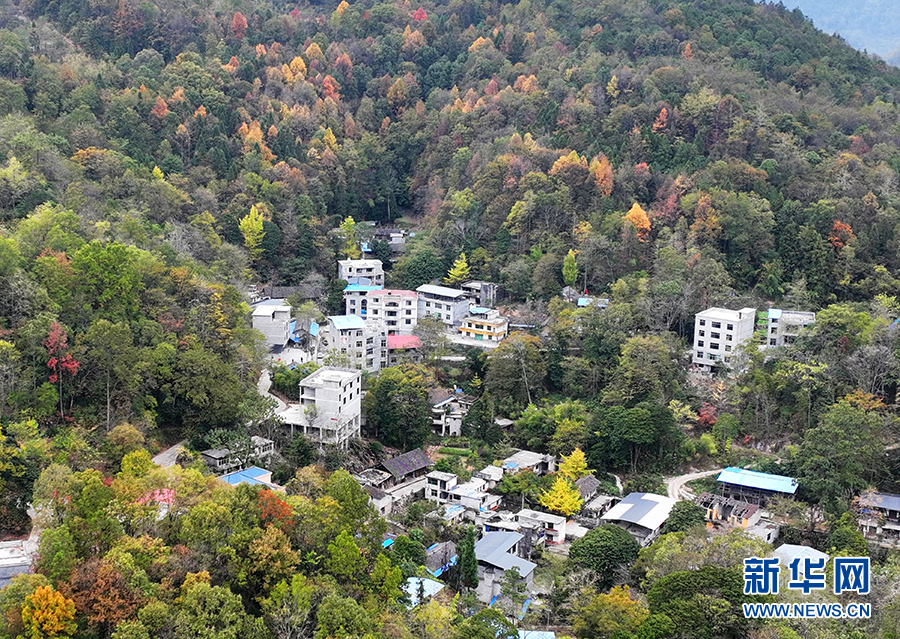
{"points": [[593, 510], [484, 324], [355, 298], [272, 318], [783, 327], [587, 487], [450, 305], [440, 557], [879, 516], [552, 528], [717, 334], [496, 553], [361, 271], [755, 487], [403, 348], [355, 342], [329, 408], [728, 511], [398, 309], [395, 238], [483, 293], [642, 515], [448, 408], [220, 460], [527, 460], [492, 475], [472, 495]]}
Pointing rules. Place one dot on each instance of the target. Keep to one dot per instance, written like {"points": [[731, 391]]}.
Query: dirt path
{"points": [[675, 485]]}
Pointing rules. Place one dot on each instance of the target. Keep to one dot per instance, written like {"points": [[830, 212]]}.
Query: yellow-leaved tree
{"points": [[562, 498], [47, 614], [459, 272], [252, 229], [573, 467], [640, 220]]}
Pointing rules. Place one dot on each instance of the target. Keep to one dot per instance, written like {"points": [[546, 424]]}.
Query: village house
{"points": [[496, 553], [398, 309], [450, 305], [448, 409], [718, 332], [492, 475], [537, 463], [440, 557], [356, 298], [482, 293], [361, 272], [471, 495], [220, 460], [783, 327], [642, 515], [879, 516], [272, 318], [755, 487], [359, 343], [403, 348], [330, 406], [484, 325]]}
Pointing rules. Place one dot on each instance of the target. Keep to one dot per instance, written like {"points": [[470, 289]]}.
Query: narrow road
{"points": [[675, 485], [167, 458], [263, 386]]}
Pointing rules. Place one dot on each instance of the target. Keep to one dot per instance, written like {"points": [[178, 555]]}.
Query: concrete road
{"points": [[675, 485], [168, 457]]}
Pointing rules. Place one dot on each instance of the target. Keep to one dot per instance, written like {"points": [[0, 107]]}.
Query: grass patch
{"points": [[459, 452]]}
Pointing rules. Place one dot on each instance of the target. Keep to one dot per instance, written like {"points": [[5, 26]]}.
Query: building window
{"points": [[427, 304], [727, 338], [772, 342], [774, 320], [715, 335], [408, 322], [702, 333], [774, 330], [700, 343], [729, 327], [703, 322], [717, 324], [714, 346], [727, 349], [700, 354]]}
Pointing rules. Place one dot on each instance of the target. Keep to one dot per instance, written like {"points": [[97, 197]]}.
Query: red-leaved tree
{"points": [[60, 360]]}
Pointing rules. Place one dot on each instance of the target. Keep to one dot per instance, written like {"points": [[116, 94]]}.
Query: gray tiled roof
{"points": [[407, 463]]}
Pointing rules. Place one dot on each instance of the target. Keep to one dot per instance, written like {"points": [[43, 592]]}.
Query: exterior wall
{"points": [[399, 313], [338, 398], [717, 334], [275, 326], [364, 348], [490, 579], [481, 329], [783, 330], [449, 310], [351, 270]]}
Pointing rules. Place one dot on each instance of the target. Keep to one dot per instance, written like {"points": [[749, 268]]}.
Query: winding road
{"points": [[675, 485]]}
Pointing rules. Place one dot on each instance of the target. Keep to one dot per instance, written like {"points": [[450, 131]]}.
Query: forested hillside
{"points": [[156, 160]]}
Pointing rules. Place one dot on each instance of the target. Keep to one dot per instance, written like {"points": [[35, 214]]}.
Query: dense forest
{"points": [[159, 159]]}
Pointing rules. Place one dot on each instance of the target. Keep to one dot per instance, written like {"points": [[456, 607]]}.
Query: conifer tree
{"points": [[459, 272], [570, 269], [468, 563]]}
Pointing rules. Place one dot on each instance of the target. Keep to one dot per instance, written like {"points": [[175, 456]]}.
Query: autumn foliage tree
{"points": [[562, 498], [239, 25], [60, 362], [638, 218], [48, 614]]}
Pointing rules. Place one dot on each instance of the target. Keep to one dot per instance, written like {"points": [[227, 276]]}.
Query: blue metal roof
{"points": [[362, 287], [292, 326], [584, 301], [387, 543], [347, 322], [313, 329], [364, 247], [760, 481], [247, 476], [479, 310], [537, 634], [774, 313]]}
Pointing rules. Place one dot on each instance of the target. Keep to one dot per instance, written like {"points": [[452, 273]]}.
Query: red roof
{"points": [[403, 341], [393, 291]]}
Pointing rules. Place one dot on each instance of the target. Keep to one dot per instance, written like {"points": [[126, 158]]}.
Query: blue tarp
{"points": [[313, 329], [429, 588], [347, 322]]}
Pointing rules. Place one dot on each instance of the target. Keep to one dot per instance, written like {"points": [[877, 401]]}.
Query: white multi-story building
{"points": [[329, 408], [717, 334], [356, 298], [273, 319], [361, 272], [783, 327], [472, 495], [450, 305], [396, 308], [484, 324], [354, 342]]}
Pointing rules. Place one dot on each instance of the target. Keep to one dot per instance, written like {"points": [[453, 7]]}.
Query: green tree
{"points": [[468, 564], [605, 550], [684, 515], [570, 269], [342, 617], [110, 357], [345, 561], [516, 370], [212, 612], [397, 408]]}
